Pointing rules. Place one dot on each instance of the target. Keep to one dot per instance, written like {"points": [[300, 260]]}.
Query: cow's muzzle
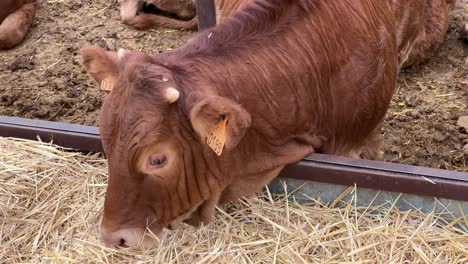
{"points": [[128, 237]]}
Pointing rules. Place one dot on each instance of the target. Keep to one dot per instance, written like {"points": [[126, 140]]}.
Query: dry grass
{"points": [[50, 202]]}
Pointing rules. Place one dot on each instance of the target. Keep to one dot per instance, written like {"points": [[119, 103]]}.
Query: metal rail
{"points": [[316, 167], [381, 176], [83, 138]]}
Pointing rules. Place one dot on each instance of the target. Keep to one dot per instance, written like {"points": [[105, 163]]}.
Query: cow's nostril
{"points": [[125, 238]]}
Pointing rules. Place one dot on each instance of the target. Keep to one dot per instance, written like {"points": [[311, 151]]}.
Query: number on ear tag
{"points": [[107, 85], [217, 137]]}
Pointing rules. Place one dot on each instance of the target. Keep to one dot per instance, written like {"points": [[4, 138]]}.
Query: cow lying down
{"points": [[16, 17], [220, 117]]}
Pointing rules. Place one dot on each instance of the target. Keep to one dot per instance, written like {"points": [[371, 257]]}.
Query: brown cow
{"points": [[220, 117], [16, 17]]}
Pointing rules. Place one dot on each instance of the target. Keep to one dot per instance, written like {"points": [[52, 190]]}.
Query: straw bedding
{"points": [[50, 203]]}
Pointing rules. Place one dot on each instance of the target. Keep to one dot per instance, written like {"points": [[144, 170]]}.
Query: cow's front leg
{"points": [[15, 26], [248, 186]]}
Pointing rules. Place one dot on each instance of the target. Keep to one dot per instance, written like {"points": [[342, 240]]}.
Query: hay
{"points": [[50, 203]]}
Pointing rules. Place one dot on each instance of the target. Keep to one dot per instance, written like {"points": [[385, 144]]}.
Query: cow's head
{"points": [[181, 9], [154, 132]]}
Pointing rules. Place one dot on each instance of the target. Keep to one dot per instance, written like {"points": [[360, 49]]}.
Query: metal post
{"points": [[206, 14]]}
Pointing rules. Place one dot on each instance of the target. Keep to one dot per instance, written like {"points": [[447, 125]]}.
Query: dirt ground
{"points": [[43, 79]]}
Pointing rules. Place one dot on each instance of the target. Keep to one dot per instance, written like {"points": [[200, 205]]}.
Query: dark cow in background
{"points": [[16, 17], [220, 117]]}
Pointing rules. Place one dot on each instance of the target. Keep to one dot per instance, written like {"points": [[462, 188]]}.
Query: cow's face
{"points": [[154, 139], [182, 9]]}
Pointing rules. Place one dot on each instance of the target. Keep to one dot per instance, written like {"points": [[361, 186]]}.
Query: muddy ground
{"points": [[43, 79]]}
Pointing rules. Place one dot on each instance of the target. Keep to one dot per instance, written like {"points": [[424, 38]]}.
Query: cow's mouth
{"points": [[149, 8]]}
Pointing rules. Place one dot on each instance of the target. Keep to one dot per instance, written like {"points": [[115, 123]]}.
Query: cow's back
{"points": [[421, 25]]}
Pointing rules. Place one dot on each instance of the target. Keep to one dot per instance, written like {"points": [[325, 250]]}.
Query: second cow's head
{"points": [[154, 126]]}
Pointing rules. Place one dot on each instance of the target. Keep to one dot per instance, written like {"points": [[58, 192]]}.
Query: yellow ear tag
{"points": [[217, 137], [107, 85]]}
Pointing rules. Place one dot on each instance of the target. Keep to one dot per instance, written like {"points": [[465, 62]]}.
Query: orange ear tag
{"points": [[217, 137], [107, 85]]}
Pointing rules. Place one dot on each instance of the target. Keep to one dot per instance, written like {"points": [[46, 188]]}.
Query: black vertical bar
{"points": [[206, 14]]}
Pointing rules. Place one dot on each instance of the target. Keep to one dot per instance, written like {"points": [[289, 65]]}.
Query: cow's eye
{"points": [[157, 160]]}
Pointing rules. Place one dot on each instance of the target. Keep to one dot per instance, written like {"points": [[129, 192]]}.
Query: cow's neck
{"points": [[233, 64], [270, 143]]}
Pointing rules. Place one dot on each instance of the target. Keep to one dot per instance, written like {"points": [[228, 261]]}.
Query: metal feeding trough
{"points": [[317, 175]]}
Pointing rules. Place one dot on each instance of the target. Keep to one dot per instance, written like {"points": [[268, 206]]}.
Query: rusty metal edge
{"points": [[316, 167]]}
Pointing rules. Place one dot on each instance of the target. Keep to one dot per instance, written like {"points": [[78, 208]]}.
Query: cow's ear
{"points": [[219, 122], [101, 65]]}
